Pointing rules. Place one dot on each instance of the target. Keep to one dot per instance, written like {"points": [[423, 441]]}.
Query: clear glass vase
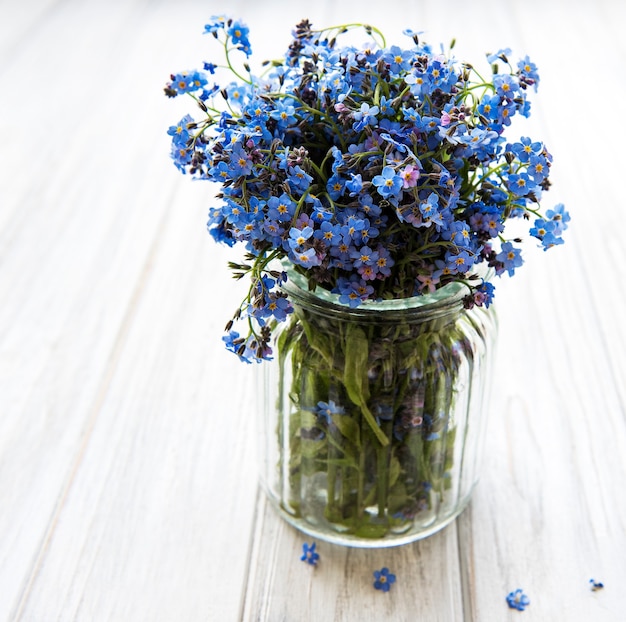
{"points": [[374, 416]]}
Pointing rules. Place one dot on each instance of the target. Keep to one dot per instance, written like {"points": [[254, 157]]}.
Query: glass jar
{"points": [[374, 416]]}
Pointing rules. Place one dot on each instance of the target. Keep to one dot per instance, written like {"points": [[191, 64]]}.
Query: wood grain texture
{"points": [[127, 474]]}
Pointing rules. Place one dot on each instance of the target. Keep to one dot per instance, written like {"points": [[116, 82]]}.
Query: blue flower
{"points": [[236, 94], [510, 258], [238, 33], [430, 206], [506, 85], [458, 233], [180, 131], [354, 185], [217, 23], [187, 82], [281, 208], [335, 186], [384, 263], [383, 579], [459, 262], [298, 237], [305, 258], [502, 54], [309, 554], [386, 107], [480, 141], [284, 113], [398, 59], [544, 230], [521, 184], [518, 600], [181, 156], [488, 106], [538, 167], [299, 180], [352, 228], [388, 183], [595, 586], [528, 72], [279, 307], [364, 256], [525, 149], [326, 410], [483, 296], [240, 162], [560, 217], [328, 233], [244, 349], [368, 232], [418, 83], [353, 291], [365, 116]]}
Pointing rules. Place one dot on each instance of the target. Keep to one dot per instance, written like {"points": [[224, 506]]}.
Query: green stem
{"points": [[331, 485], [230, 65], [382, 478], [361, 479], [344, 27]]}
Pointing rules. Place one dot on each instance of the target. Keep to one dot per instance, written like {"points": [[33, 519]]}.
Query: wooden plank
{"points": [[103, 495], [159, 510], [281, 587], [75, 237], [548, 515], [21, 22]]}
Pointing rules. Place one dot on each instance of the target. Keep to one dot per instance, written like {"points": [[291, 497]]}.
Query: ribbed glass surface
{"points": [[374, 417]]}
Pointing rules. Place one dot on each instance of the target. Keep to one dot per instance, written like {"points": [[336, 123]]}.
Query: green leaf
{"points": [[355, 376], [397, 499], [394, 471], [311, 448], [348, 428], [345, 448], [372, 531], [318, 341], [307, 419], [355, 370]]}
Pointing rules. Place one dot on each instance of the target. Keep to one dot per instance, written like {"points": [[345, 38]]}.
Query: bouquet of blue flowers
{"points": [[369, 173], [379, 172]]}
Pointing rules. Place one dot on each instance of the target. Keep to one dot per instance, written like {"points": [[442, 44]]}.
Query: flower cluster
{"points": [[380, 172]]}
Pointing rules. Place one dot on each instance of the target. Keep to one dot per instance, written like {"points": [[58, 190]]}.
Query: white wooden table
{"points": [[128, 484]]}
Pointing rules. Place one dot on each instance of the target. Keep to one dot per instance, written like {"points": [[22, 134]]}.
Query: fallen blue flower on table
{"points": [[595, 585], [518, 600], [309, 555], [384, 579]]}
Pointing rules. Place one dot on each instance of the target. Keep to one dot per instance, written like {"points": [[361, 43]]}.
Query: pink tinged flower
{"points": [[373, 142], [367, 273], [427, 282], [410, 175], [445, 119]]}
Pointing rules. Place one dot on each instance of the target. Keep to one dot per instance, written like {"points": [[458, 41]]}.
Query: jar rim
{"points": [[443, 301]]}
